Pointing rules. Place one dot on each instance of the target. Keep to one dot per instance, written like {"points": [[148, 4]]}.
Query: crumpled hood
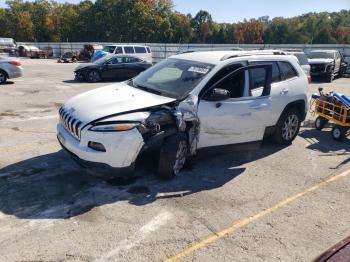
{"points": [[112, 99], [81, 66], [315, 61]]}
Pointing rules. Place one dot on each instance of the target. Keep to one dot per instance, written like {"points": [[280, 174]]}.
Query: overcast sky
{"points": [[236, 10]]}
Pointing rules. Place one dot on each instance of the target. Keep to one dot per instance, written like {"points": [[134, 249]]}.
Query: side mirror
{"points": [[217, 94]]}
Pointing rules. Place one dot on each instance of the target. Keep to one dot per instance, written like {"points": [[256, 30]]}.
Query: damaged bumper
{"points": [[120, 149]]}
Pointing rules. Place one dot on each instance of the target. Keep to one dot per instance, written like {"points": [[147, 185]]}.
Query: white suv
{"points": [[183, 104]]}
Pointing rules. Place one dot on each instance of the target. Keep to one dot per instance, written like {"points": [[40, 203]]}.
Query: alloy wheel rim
{"points": [[94, 76], [336, 133], [318, 122], [290, 127], [180, 157]]}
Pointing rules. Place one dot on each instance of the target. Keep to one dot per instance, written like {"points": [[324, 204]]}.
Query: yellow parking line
{"points": [[243, 222]]}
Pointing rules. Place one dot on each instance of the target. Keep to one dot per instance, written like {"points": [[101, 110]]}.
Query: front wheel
{"points": [[330, 77], [287, 127], [338, 133], [173, 155], [93, 76]]}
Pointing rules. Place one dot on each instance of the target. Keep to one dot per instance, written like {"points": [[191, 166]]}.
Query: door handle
{"points": [[258, 106], [284, 91], [217, 105]]}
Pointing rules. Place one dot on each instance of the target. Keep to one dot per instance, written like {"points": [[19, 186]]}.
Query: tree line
{"points": [[154, 21]]}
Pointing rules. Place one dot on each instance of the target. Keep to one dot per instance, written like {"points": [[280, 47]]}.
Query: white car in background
{"points": [[140, 51], [183, 104], [10, 67]]}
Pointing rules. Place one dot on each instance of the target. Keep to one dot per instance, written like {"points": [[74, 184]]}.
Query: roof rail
{"points": [[251, 53]]}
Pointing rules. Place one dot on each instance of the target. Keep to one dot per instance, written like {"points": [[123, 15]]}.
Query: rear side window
{"points": [[129, 50], [276, 75], [148, 50], [287, 70], [302, 58], [140, 49], [119, 50]]}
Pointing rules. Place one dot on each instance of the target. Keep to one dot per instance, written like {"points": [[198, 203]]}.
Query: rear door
{"points": [[242, 117]]}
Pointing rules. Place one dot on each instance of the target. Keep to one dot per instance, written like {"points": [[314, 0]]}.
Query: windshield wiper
{"points": [[147, 89]]}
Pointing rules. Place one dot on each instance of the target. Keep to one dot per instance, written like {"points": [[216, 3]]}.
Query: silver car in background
{"points": [[10, 67]]}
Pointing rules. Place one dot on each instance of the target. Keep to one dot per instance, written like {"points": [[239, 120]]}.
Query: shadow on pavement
{"points": [[7, 83], [53, 186], [323, 142]]}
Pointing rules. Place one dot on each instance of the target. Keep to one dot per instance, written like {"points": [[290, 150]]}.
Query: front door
{"points": [[242, 117], [114, 68]]}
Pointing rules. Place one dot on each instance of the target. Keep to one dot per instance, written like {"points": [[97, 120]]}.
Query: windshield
{"points": [[175, 78], [109, 49], [320, 55]]}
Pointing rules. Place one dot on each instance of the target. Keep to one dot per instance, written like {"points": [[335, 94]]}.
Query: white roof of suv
{"points": [[217, 57]]}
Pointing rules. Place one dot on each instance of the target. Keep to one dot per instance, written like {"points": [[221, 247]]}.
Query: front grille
{"points": [[72, 125], [317, 68]]}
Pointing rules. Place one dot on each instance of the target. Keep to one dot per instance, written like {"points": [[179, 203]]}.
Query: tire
{"points": [[3, 77], [173, 155], [287, 127], [93, 76], [341, 72], [330, 77], [320, 123], [338, 133]]}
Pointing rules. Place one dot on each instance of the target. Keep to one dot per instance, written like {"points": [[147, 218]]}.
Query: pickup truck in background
{"points": [[327, 64]]}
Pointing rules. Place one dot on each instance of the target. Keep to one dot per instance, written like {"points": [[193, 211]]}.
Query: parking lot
{"points": [[274, 204]]}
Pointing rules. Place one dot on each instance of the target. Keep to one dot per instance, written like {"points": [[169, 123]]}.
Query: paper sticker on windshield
{"points": [[199, 70]]}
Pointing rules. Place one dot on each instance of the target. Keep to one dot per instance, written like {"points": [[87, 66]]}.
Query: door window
{"points": [[257, 81], [235, 85], [129, 50], [287, 70], [114, 61], [119, 50], [140, 50], [276, 75]]}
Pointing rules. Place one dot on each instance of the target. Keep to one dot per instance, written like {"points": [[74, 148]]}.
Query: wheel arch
{"points": [[299, 105], [6, 74]]}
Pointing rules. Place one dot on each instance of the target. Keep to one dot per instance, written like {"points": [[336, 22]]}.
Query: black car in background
{"points": [[119, 67]]}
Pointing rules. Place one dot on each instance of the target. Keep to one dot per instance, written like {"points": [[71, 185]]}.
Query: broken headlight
{"points": [[111, 127]]}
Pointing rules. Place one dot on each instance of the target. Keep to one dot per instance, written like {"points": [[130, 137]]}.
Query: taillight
{"points": [[15, 63], [309, 79]]}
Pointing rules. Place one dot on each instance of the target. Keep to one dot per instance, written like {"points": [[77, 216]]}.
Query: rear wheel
{"points": [[93, 76], [3, 77], [173, 156], [287, 127], [320, 123], [339, 133]]}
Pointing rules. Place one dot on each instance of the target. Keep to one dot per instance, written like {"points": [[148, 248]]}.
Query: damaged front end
{"points": [[172, 119]]}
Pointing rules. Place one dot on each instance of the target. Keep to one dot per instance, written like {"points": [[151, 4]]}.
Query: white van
{"points": [[143, 52]]}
